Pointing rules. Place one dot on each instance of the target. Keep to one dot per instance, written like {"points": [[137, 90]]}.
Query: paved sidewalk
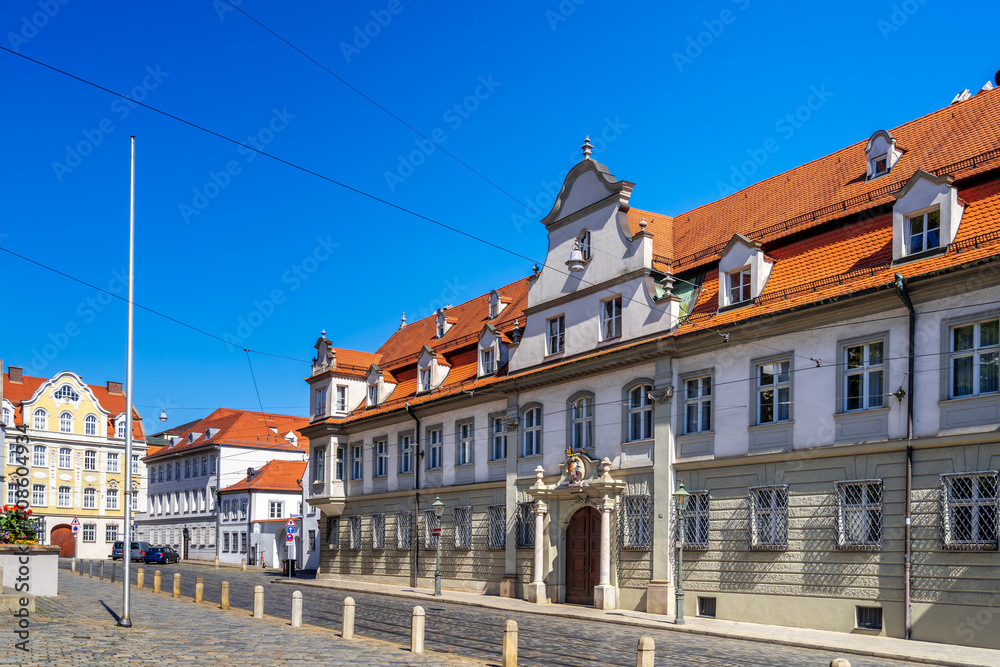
{"points": [[943, 655], [79, 628]]}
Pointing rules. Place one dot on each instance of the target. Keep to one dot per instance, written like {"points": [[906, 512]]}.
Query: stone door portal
{"points": [[583, 552]]}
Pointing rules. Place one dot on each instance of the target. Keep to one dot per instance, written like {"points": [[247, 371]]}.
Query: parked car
{"points": [[139, 550], [162, 555]]}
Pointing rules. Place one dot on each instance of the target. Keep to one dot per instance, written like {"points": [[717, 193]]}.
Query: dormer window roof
{"points": [[743, 272], [881, 153], [443, 322], [925, 217], [497, 303]]}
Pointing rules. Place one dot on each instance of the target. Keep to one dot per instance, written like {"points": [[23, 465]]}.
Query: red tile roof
{"points": [[273, 476], [260, 430], [114, 403]]}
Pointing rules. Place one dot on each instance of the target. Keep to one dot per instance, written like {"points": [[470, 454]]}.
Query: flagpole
{"points": [[126, 621]]}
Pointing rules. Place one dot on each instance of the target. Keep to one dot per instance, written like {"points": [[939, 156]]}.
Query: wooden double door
{"points": [[583, 554], [63, 537]]}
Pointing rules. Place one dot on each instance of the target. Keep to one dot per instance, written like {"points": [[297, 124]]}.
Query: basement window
{"points": [[869, 618], [706, 607]]}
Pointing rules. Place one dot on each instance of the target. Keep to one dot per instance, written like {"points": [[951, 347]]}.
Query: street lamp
{"points": [[438, 509], [680, 496]]}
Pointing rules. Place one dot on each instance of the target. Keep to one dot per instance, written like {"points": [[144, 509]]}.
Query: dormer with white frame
{"points": [[881, 154], [925, 217], [431, 370], [378, 388], [442, 322], [743, 272], [492, 352], [496, 304]]}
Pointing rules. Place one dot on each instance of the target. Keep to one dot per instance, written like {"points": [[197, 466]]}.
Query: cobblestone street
{"points": [[78, 628]]}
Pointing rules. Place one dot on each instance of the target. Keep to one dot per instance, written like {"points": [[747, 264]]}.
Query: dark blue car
{"points": [[162, 555]]}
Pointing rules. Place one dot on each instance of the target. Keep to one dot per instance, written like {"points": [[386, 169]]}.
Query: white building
{"points": [[197, 460]]}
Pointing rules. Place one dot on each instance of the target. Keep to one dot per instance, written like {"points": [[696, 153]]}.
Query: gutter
{"points": [[417, 459], [904, 296]]}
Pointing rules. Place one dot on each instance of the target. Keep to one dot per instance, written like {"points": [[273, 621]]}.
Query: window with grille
{"points": [[636, 522], [969, 511], [768, 518], [378, 532], [463, 527], [354, 534], [430, 522], [90, 532], [433, 448], [404, 532], [696, 520], [333, 533], [974, 356], [524, 526], [869, 618], [698, 405], [496, 526], [859, 515], [640, 413]]}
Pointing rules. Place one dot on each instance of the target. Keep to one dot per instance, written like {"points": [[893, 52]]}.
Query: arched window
{"points": [[120, 428], [39, 456], [67, 392], [581, 422], [65, 457], [7, 418], [66, 422], [640, 414], [531, 421], [90, 425], [41, 419]]}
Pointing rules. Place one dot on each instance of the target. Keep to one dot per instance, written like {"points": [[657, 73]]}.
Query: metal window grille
{"points": [[525, 525], [768, 518], [354, 541], [969, 511], [696, 520], [635, 522], [859, 515], [463, 527], [430, 521], [706, 607], [404, 533], [496, 534], [378, 531], [333, 533], [869, 618]]}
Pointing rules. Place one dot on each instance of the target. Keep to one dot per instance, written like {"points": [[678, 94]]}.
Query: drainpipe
{"points": [[904, 296], [416, 494]]}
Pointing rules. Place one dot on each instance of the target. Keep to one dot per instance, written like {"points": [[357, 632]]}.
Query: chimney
{"points": [[115, 388], [16, 374]]}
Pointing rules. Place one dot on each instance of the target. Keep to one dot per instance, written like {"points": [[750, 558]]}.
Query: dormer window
{"points": [[440, 328], [320, 407], [443, 322], [341, 398], [924, 231], [425, 379], [739, 285], [489, 361], [881, 153], [372, 395]]}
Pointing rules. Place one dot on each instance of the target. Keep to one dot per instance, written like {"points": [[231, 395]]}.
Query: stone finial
{"points": [[643, 223], [587, 148], [402, 320], [535, 269], [322, 332], [606, 464], [539, 473]]}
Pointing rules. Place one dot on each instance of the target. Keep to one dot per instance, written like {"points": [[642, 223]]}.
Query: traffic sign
{"points": [[289, 537], [76, 529], [435, 532], [290, 523], [75, 525]]}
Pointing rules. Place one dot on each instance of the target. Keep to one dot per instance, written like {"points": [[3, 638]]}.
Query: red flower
{"points": [[29, 511]]}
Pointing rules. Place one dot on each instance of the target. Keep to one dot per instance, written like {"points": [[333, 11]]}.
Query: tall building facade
{"points": [[65, 448], [815, 357]]}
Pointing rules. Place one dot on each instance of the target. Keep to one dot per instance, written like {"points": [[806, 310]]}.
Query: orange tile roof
{"points": [[260, 430], [114, 403], [273, 476], [960, 139]]}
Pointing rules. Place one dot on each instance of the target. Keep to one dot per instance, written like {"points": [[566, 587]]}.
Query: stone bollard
{"points": [[102, 570], [156, 581], [140, 578], [348, 630], [510, 644], [199, 590], [417, 630], [177, 584], [91, 569], [297, 609], [840, 662], [72, 566], [258, 602], [243, 564], [216, 562], [114, 569], [644, 652], [224, 596]]}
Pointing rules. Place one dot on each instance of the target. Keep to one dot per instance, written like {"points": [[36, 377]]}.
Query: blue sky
{"points": [[675, 98]]}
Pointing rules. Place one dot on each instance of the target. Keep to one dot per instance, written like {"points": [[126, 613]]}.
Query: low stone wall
{"points": [[30, 570]]}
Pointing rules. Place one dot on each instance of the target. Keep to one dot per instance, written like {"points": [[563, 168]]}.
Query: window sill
{"points": [[737, 306], [465, 465], [549, 356], [916, 257], [529, 457]]}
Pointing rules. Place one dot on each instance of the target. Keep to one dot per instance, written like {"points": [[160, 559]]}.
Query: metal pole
{"points": [[679, 595], [126, 621], [437, 566]]}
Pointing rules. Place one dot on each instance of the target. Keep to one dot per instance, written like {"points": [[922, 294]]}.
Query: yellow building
{"points": [[64, 444]]}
